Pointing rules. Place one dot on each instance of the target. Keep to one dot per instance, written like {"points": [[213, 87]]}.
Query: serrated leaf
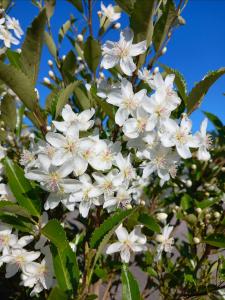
{"points": [[126, 5], [164, 24], [77, 4], [21, 85], [12, 208], [64, 95], [179, 81], [57, 294], [82, 98], [16, 222], [64, 259], [50, 44], [68, 67], [196, 95], [215, 120], [149, 222], [216, 239], [64, 28], [14, 58], [107, 225], [92, 53], [32, 46], [130, 288], [8, 112], [21, 188]]}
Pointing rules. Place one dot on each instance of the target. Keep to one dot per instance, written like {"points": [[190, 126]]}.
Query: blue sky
{"points": [[194, 49]]}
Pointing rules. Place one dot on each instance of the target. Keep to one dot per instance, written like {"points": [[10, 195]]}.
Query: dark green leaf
{"points": [[92, 53], [21, 85], [21, 188], [8, 112], [126, 5], [55, 233], [215, 120], [130, 288], [217, 240], [57, 294], [32, 46], [77, 4], [82, 98], [164, 24], [201, 88], [149, 222], [17, 222], [11, 208], [107, 225]]}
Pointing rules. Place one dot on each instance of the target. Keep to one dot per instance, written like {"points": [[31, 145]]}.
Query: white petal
{"points": [[109, 61], [84, 208], [115, 247], [121, 233], [183, 151], [127, 65], [11, 270], [137, 49], [125, 255], [121, 116], [55, 139]]}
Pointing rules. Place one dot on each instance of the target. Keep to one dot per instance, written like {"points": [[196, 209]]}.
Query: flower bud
{"points": [[37, 93], [223, 169], [129, 206], [159, 238], [101, 74], [64, 57], [181, 20], [196, 240], [198, 210], [117, 25], [48, 128], [142, 202], [217, 214], [156, 70], [188, 183], [79, 58], [80, 38], [50, 63], [46, 80], [207, 216], [99, 13], [18, 50], [161, 216], [51, 74], [164, 50], [206, 194], [194, 167]]}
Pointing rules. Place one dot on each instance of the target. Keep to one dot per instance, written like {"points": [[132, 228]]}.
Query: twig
{"points": [[90, 17]]}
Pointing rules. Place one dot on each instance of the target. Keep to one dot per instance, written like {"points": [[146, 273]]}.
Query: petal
{"points": [[127, 65], [36, 175], [109, 61], [31, 256], [11, 270], [57, 140], [125, 255], [204, 126], [126, 88], [183, 151], [115, 247], [130, 128], [61, 126], [52, 201], [84, 208], [66, 168], [121, 233], [67, 113], [203, 154], [127, 35], [25, 240], [137, 49], [121, 116]]}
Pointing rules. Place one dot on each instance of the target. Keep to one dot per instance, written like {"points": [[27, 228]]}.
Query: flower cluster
{"points": [[6, 24]]}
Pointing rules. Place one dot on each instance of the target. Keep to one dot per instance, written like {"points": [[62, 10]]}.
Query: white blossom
{"points": [[204, 142], [165, 241], [109, 12]]}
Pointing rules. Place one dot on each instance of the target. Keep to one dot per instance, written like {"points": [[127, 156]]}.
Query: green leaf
{"points": [[215, 120], [68, 67], [57, 294], [149, 222], [164, 24], [21, 188], [141, 20], [107, 225], [14, 58], [5, 4], [8, 112], [126, 5], [64, 95], [64, 28], [201, 88], [206, 203], [21, 85], [17, 222], [82, 98], [11, 208], [77, 4], [130, 288], [92, 53], [50, 44], [216, 239], [179, 81], [50, 7], [186, 202], [64, 259], [32, 46]]}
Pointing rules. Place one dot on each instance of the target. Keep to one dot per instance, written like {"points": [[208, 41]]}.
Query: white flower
{"points": [[7, 239], [75, 121], [179, 136], [165, 241], [105, 88], [17, 259], [121, 200], [128, 243], [126, 169], [126, 100], [14, 24], [204, 142], [7, 37], [6, 193], [122, 52], [39, 275], [109, 12], [27, 159], [145, 75], [141, 122], [87, 195], [162, 161]]}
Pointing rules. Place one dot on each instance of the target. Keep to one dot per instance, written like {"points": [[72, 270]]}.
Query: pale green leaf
{"points": [[130, 288]]}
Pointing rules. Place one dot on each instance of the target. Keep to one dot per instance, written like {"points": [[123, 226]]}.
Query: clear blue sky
{"points": [[195, 48]]}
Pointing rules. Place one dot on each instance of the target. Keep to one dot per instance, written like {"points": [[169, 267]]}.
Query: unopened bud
{"points": [[194, 167], [37, 92], [217, 214], [223, 169], [156, 70], [64, 57], [207, 216], [164, 50], [206, 194], [101, 74], [117, 25], [50, 63], [99, 13], [46, 80], [51, 74], [142, 202], [198, 210], [161, 216], [80, 38], [181, 20], [196, 240], [129, 206], [18, 50], [79, 58], [48, 128], [188, 183]]}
